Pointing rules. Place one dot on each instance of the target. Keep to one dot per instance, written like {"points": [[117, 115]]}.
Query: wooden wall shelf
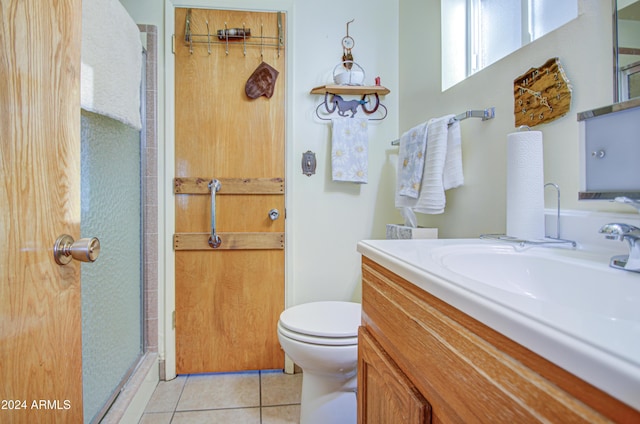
{"points": [[351, 89]]}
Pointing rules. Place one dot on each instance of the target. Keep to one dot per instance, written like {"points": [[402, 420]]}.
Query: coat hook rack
{"points": [[280, 33], [208, 37], [187, 27], [244, 40], [233, 36], [226, 39]]}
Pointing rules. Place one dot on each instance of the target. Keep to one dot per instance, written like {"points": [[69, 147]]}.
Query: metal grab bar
{"points": [[214, 240]]}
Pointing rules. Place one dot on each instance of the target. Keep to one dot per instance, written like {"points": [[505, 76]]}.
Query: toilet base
{"points": [[328, 399]]}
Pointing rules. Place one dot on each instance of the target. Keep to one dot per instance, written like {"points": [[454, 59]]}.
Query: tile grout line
{"points": [[175, 408], [260, 392], [231, 408]]}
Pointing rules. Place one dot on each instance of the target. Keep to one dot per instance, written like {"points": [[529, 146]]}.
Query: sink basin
{"points": [[566, 278]]}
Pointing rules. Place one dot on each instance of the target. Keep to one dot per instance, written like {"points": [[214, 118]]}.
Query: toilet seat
{"points": [[322, 341], [325, 323]]}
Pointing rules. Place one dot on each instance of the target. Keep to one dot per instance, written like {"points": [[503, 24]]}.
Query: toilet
{"points": [[322, 339]]}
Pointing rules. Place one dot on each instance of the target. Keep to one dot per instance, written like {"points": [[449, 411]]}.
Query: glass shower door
{"points": [[112, 335]]}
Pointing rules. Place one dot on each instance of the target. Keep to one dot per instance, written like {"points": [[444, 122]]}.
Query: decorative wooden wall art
{"points": [[541, 94]]}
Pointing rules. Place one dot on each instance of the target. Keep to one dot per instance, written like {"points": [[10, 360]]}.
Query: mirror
{"points": [[626, 49]]}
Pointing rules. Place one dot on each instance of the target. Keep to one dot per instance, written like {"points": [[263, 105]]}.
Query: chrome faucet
{"points": [[631, 234]]}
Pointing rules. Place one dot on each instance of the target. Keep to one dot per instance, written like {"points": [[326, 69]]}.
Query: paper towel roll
{"points": [[525, 185]]}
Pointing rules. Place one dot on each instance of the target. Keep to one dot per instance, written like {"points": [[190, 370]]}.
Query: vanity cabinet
{"points": [[423, 358]]}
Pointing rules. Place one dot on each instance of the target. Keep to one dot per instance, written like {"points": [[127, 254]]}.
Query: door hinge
{"points": [[173, 43], [173, 320]]}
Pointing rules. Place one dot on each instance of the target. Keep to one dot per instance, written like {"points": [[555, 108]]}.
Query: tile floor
{"points": [[257, 397]]}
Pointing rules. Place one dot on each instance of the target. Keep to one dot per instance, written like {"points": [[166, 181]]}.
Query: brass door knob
{"points": [[84, 250]]}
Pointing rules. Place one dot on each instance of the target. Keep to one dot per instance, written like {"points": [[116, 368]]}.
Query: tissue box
{"points": [[397, 231]]}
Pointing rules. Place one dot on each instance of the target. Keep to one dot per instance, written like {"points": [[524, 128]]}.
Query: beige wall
{"points": [[584, 49], [399, 41], [325, 220]]}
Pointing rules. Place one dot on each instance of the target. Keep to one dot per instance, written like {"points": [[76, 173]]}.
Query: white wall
{"points": [[584, 49], [324, 219], [329, 218]]}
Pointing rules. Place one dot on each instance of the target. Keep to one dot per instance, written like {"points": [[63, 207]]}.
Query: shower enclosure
{"points": [[112, 295], [119, 202]]}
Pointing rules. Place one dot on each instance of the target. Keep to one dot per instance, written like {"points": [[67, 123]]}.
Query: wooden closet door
{"points": [[228, 299]]}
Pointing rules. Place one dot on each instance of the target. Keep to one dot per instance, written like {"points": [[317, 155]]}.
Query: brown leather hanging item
{"points": [[262, 82]]}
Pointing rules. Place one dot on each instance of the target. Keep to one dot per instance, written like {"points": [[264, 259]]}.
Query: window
{"points": [[477, 33]]}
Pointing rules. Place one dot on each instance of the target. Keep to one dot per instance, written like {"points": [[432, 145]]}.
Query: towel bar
{"points": [[485, 114]]}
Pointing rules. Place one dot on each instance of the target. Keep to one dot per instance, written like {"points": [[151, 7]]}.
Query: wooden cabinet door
{"points": [[385, 395]]}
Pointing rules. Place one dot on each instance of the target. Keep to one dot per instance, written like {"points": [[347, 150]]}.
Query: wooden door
{"points": [[40, 311], [228, 299]]}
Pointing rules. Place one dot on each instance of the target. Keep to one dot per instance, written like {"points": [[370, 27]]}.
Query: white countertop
{"points": [[601, 350]]}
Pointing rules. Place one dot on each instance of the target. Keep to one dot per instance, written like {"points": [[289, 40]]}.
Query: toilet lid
{"points": [[323, 319]]}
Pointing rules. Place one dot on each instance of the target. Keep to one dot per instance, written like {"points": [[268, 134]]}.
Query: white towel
{"points": [[350, 150], [453, 175], [111, 69], [432, 198], [442, 161], [413, 144]]}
